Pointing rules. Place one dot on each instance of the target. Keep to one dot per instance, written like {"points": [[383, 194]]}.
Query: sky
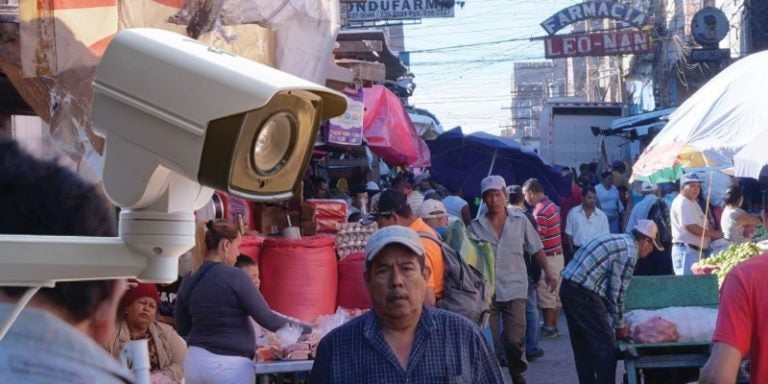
{"points": [[470, 86]]}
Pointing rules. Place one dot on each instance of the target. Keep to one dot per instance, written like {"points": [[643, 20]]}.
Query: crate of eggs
{"points": [[352, 237]]}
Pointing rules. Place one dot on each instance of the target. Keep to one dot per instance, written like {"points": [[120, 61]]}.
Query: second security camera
{"points": [[168, 102]]}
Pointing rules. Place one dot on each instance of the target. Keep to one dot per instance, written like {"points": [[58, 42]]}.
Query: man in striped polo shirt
{"points": [[547, 216]]}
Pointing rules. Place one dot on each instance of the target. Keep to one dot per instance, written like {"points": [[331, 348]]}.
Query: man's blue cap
{"points": [[689, 178]]}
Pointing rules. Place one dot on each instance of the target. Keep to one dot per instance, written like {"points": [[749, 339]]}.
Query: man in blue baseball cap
{"points": [[401, 339]]}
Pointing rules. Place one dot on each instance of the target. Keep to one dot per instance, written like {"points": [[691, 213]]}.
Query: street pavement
{"points": [[557, 365]]}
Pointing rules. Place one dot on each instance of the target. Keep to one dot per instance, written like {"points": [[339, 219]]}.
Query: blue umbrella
{"points": [[460, 160]]}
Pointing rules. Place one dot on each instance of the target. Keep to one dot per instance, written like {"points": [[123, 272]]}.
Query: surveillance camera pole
{"points": [[149, 243]]}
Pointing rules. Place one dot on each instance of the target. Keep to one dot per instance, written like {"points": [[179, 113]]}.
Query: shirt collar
{"points": [[373, 333]]}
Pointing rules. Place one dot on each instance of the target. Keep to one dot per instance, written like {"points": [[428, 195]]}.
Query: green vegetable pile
{"points": [[730, 258]]}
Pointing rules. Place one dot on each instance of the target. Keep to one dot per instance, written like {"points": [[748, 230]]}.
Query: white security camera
{"points": [[179, 117], [219, 119]]}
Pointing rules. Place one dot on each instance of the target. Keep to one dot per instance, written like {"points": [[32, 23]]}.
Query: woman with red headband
{"points": [[136, 321]]}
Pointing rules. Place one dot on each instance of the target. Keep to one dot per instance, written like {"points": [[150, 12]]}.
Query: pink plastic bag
{"points": [[655, 330]]}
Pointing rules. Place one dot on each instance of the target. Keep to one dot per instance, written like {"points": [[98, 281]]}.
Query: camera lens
{"points": [[273, 143]]}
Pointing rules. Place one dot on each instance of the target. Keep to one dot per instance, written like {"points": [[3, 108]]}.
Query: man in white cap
{"points": [[650, 194], [593, 289], [653, 208], [510, 234], [400, 340], [435, 215], [690, 233]]}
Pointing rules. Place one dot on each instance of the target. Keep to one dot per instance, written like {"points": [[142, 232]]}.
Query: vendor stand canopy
{"points": [[712, 126], [641, 124], [462, 161], [389, 132]]}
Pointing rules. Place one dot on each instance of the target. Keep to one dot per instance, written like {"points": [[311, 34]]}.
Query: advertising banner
{"points": [[372, 10], [597, 44], [347, 129]]}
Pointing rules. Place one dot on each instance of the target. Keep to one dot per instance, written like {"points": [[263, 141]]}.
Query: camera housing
{"points": [[221, 120]]}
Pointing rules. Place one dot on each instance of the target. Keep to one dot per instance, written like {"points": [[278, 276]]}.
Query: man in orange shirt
{"points": [[393, 209]]}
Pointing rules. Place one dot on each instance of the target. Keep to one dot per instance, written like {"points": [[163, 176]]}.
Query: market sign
{"points": [[597, 44], [372, 10], [594, 10], [347, 129]]}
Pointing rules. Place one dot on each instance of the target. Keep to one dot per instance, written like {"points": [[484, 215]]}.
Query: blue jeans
{"points": [[683, 258], [532, 330], [592, 336], [614, 223]]}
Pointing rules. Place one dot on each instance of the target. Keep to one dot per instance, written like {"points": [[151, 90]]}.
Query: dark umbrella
{"points": [[460, 160]]}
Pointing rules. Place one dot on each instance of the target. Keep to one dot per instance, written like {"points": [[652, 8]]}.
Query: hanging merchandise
{"points": [[299, 278], [224, 206], [347, 129], [389, 132], [352, 292], [329, 214]]}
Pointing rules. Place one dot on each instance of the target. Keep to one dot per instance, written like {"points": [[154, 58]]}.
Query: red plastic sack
{"points": [[656, 330], [329, 213], [352, 292], [251, 246], [299, 277]]}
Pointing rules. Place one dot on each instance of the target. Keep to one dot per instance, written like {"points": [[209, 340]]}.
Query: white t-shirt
{"points": [[732, 230], [583, 229], [454, 204], [414, 200], [685, 212]]}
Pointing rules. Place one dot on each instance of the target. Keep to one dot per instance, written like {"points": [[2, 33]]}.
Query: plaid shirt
{"points": [[605, 266], [447, 349]]}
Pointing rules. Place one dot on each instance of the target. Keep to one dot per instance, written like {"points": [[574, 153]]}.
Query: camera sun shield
{"points": [[222, 120]]}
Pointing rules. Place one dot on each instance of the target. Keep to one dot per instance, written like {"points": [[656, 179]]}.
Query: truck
{"points": [[570, 132]]}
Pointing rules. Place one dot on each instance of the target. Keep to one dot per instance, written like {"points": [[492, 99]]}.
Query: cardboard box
{"points": [[270, 220], [308, 228], [307, 213]]}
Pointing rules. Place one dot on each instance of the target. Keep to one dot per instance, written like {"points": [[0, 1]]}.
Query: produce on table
{"points": [[726, 260]]}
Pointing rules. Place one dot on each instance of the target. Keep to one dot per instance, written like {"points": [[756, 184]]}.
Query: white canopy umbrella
{"points": [[750, 161], [715, 123]]}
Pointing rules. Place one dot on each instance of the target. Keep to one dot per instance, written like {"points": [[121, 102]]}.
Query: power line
{"points": [[470, 45]]}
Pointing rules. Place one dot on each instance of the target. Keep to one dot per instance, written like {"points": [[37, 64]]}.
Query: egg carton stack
{"points": [[352, 237]]}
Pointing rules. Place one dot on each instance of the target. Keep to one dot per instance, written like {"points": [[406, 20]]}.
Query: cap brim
{"points": [[657, 245], [368, 220], [375, 251]]}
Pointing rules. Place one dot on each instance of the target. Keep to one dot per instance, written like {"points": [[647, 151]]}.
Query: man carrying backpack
{"points": [[393, 209], [510, 234]]}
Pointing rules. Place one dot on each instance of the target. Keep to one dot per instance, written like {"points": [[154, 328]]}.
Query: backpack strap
{"points": [[427, 235]]}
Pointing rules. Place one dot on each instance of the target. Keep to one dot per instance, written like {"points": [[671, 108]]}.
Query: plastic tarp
{"points": [[724, 116], [62, 42], [462, 161], [426, 127], [389, 132]]}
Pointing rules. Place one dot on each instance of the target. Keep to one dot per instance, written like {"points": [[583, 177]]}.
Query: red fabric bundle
{"points": [[251, 246], [352, 293], [656, 330], [299, 277], [328, 214]]}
